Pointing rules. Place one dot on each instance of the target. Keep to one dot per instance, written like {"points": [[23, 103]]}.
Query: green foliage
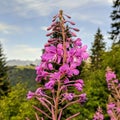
{"points": [[112, 59], [4, 84], [22, 74], [98, 47], [115, 25], [15, 106], [97, 94]]}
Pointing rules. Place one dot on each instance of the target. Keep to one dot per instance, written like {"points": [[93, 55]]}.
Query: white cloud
{"points": [[7, 29], [44, 28], [24, 52], [66, 4], [30, 8], [87, 17], [110, 1], [3, 40], [103, 1]]}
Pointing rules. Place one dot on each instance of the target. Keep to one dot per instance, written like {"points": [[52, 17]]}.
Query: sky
{"points": [[23, 23]]}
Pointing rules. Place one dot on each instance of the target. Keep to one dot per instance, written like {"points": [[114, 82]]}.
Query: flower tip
{"points": [[75, 29], [49, 34], [67, 16], [49, 28]]}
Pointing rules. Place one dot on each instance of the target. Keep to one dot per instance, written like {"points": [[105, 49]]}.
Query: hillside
{"points": [[22, 74]]}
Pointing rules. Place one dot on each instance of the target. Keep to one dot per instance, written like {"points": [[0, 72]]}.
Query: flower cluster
{"points": [[59, 63], [111, 78], [113, 107], [98, 115]]}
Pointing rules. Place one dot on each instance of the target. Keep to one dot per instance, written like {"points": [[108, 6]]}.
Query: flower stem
{"points": [[57, 100], [63, 35]]}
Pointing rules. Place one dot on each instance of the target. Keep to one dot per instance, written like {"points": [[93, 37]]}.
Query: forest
{"points": [[16, 81]]}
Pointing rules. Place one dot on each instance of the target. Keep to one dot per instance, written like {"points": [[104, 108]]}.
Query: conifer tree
{"points": [[4, 84], [98, 46], [115, 25]]}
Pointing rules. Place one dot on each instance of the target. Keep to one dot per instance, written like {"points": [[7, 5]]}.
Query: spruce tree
{"points": [[98, 46], [4, 84], [115, 25]]}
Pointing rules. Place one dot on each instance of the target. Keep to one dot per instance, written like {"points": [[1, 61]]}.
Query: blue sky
{"points": [[23, 23]]}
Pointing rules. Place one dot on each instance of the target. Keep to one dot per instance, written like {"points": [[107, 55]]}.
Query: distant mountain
{"points": [[22, 62], [22, 74]]}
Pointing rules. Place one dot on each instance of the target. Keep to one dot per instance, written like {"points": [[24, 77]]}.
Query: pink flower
{"points": [[110, 75], [98, 115], [49, 34], [59, 64], [66, 80], [30, 95], [118, 110], [64, 69], [49, 28], [110, 106], [73, 34], [39, 92], [72, 23], [79, 84], [46, 65], [67, 16], [77, 42], [83, 52], [82, 98], [53, 54], [69, 70], [68, 96], [40, 73], [55, 76], [74, 57], [77, 30], [50, 66], [50, 84]]}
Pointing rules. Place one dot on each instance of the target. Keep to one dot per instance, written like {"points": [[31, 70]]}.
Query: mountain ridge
{"points": [[17, 62]]}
